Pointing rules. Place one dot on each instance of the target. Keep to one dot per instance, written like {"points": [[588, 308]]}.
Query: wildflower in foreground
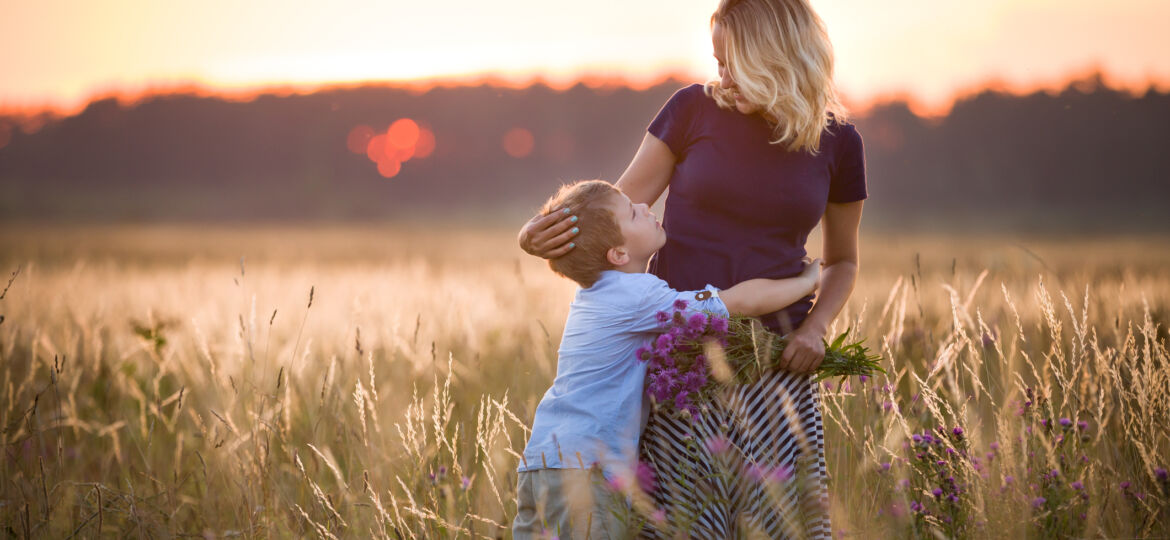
{"points": [[717, 445], [1038, 502], [645, 477]]}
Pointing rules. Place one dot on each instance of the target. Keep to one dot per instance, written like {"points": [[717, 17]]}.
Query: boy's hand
{"points": [[812, 273]]}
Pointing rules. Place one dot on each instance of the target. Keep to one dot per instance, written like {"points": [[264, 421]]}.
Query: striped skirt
{"points": [[750, 466]]}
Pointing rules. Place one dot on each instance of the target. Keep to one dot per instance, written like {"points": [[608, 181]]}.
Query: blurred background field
{"points": [[358, 381]]}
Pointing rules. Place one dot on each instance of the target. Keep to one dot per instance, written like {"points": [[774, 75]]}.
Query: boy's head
{"points": [[614, 232]]}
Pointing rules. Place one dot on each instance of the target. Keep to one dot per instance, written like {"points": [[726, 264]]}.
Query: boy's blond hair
{"points": [[599, 230]]}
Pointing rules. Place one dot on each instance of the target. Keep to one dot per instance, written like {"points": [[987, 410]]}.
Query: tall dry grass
{"points": [[155, 384]]}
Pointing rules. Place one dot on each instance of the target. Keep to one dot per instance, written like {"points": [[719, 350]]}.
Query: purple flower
{"points": [[1077, 485], [717, 445], [719, 325], [781, 474], [643, 354], [1082, 425], [1038, 502], [658, 517], [755, 472], [885, 466], [1125, 486], [1008, 479], [1065, 423], [664, 345], [1161, 474], [862, 378], [645, 476], [615, 484], [697, 323], [465, 482], [958, 431], [937, 492], [994, 446], [680, 304], [662, 317], [915, 506]]}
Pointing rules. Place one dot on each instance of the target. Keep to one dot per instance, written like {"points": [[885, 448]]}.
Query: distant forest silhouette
{"points": [[1086, 158]]}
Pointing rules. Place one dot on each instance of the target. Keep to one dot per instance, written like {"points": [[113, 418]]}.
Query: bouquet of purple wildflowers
{"points": [[692, 348]]}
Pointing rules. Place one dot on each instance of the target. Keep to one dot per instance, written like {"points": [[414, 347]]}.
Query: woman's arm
{"points": [[649, 172], [805, 349], [756, 297], [644, 181]]}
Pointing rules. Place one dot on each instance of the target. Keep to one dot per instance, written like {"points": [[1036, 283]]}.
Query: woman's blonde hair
{"points": [[780, 56]]}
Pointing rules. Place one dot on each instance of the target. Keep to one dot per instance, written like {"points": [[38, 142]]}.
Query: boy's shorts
{"points": [[567, 503]]}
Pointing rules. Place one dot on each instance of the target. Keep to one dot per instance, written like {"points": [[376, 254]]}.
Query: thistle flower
{"points": [[717, 445], [645, 477], [1066, 423], [781, 474], [1077, 485], [1038, 502]]}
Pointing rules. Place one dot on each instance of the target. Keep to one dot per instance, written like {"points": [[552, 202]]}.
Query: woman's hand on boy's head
{"points": [[549, 236]]}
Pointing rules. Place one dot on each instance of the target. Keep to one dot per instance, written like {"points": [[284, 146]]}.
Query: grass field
{"points": [[357, 382]]}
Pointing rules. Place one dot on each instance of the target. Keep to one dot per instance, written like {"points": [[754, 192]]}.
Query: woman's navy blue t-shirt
{"points": [[741, 208]]}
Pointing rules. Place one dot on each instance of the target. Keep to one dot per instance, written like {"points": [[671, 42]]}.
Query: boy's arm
{"points": [[756, 297]]}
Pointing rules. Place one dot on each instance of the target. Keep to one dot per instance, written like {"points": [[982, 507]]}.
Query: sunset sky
{"points": [[61, 53]]}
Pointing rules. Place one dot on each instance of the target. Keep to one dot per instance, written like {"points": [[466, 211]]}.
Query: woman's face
{"points": [[726, 81]]}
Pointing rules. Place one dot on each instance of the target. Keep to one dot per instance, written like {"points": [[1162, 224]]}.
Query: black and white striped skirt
{"points": [[750, 466]]}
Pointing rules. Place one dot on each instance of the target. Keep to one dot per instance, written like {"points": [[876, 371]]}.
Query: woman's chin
{"points": [[744, 107]]}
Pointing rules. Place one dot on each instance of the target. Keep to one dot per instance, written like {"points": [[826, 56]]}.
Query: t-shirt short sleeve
{"points": [[660, 297], [848, 181], [675, 120]]}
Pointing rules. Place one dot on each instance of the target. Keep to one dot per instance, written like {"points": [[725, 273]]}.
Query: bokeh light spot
{"points": [[389, 167], [426, 143], [403, 134], [518, 142], [358, 140], [376, 148]]}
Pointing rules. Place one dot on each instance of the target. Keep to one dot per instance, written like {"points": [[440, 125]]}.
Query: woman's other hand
{"points": [[549, 236], [805, 351]]}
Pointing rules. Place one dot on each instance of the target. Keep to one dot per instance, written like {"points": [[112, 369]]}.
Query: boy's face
{"points": [[640, 227]]}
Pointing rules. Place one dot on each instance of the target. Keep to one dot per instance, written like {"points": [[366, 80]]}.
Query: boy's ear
{"points": [[617, 256]]}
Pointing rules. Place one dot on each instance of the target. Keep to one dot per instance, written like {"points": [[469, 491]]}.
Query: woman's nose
{"points": [[725, 81]]}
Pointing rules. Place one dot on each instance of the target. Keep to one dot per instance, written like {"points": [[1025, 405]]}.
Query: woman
{"points": [[754, 161]]}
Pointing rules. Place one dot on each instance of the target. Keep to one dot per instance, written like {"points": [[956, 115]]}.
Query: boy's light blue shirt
{"points": [[596, 404]]}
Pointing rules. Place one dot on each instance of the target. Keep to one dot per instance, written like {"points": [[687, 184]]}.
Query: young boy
{"points": [[592, 416]]}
